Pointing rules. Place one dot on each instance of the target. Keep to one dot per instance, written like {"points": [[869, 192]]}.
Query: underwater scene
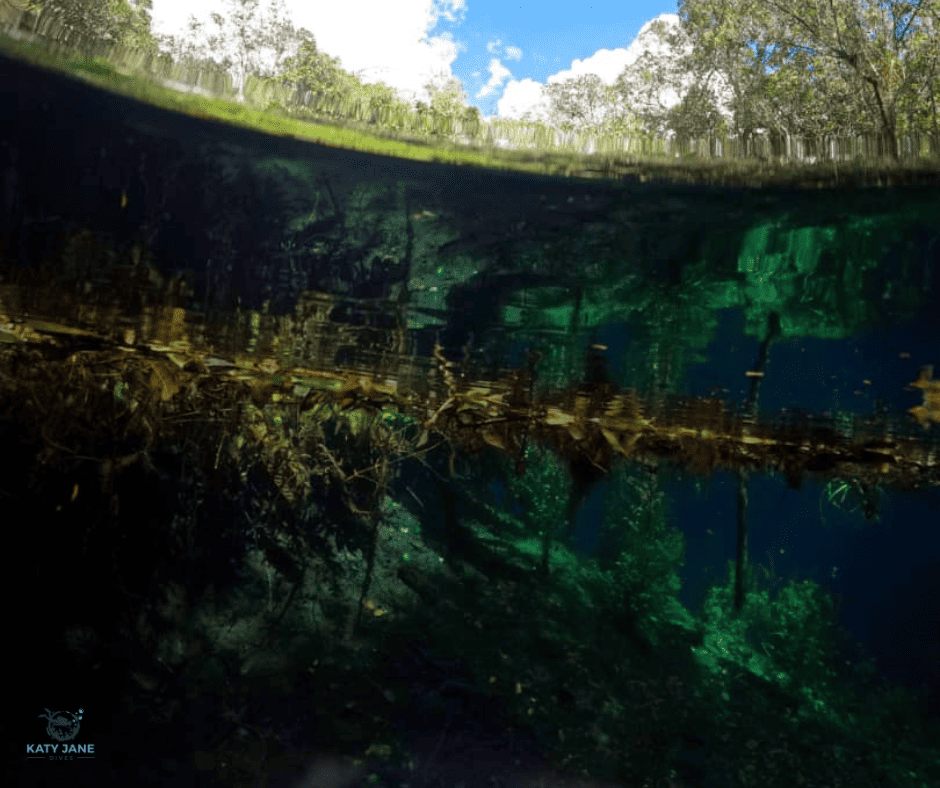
{"points": [[401, 465]]}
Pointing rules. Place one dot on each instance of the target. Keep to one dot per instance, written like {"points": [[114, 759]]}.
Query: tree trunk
{"points": [[888, 122]]}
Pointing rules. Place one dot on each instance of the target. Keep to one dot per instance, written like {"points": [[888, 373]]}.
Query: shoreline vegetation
{"points": [[488, 148]]}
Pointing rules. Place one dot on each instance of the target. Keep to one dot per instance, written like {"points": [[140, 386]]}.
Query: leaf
{"points": [[612, 440], [493, 439], [554, 417]]}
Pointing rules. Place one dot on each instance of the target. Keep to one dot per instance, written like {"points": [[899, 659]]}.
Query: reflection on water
{"points": [[362, 354], [311, 439]]}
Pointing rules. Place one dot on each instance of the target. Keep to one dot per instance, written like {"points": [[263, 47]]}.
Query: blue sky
{"points": [[502, 52]]}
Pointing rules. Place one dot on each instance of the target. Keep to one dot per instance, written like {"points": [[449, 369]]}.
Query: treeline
{"points": [[805, 78], [834, 79], [226, 60]]}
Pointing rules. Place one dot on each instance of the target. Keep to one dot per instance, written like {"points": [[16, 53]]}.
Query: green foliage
{"points": [[133, 24], [447, 106], [579, 100], [241, 36], [915, 103], [94, 26], [638, 550], [96, 66], [810, 69], [313, 70], [852, 496], [543, 490], [789, 639], [275, 108], [386, 108], [697, 115]]}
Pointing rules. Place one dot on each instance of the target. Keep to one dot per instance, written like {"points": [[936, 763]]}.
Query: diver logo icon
{"points": [[63, 725]]}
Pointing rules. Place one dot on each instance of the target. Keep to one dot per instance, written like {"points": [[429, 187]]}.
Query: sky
{"points": [[502, 52]]}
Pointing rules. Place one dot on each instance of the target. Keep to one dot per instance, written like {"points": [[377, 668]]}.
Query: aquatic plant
{"points": [[789, 639], [542, 491], [638, 549]]}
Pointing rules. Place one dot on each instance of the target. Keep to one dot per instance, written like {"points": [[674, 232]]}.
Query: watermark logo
{"points": [[62, 727]]}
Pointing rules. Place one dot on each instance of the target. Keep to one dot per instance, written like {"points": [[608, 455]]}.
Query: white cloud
{"points": [[394, 47], [498, 74], [605, 63], [526, 95], [522, 96]]}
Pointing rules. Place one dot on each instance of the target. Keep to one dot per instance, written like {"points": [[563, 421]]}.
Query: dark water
{"points": [[331, 261]]}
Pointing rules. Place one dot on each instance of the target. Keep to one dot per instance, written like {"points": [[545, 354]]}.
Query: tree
{"points": [[241, 37], [904, 59], [385, 106], [185, 53], [787, 101], [797, 100], [582, 101], [642, 86], [447, 104], [337, 92], [471, 122], [775, 84], [697, 115], [135, 21], [907, 68], [619, 120], [757, 103], [834, 35], [82, 23], [334, 89], [919, 110]]}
